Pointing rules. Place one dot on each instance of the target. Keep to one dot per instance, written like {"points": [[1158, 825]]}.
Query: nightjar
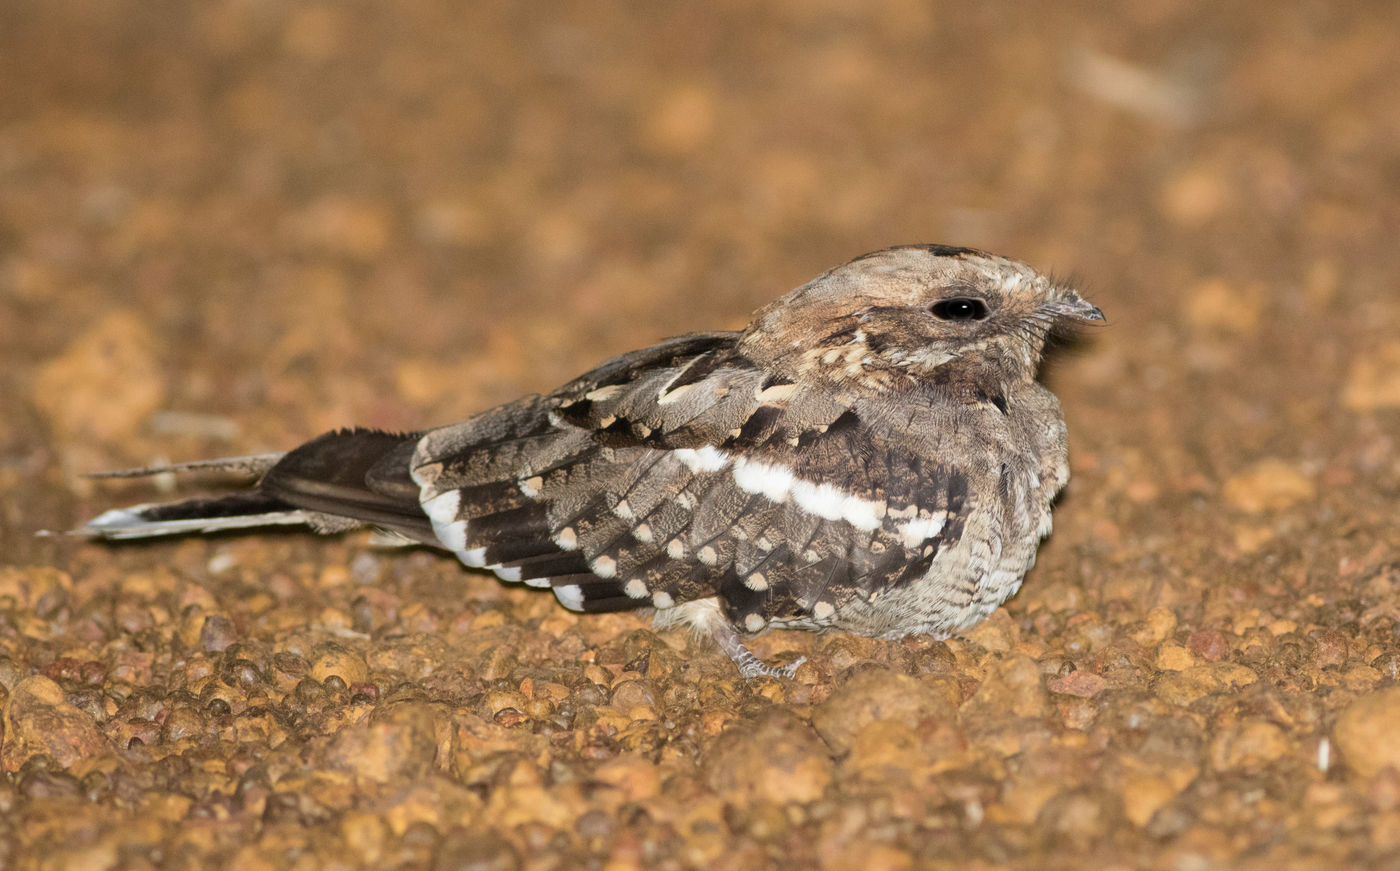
{"points": [[872, 454]]}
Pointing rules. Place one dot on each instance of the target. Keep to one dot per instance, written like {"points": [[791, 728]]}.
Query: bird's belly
{"points": [[962, 586]]}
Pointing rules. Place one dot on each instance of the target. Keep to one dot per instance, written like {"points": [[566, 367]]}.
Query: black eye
{"points": [[960, 308]]}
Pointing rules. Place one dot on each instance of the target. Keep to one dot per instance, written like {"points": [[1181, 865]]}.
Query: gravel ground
{"points": [[228, 226]]}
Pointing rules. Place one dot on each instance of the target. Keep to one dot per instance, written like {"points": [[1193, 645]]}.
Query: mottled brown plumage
{"points": [[873, 453]]}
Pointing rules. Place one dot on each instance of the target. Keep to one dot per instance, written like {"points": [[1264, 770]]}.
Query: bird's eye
{"points": [[960, 308]]}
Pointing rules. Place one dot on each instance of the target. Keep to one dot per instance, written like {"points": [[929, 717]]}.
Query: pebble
{"points": [[105, 385], [1248, 745], [879, 695], [38, 720], [1365, 732], [399, 742], [775, 757], [1268, 485], [1373, 380], [1014, 686], [336, 659]]}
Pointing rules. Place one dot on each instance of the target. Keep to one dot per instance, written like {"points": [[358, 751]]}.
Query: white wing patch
{"points": [[705, 459], [778, 484], [443, 510]]}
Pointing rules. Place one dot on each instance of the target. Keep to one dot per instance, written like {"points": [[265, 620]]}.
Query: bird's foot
{"points": [[750, 666]]}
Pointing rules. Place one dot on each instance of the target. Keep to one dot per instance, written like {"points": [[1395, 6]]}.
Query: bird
{"points": [[873, 454]]}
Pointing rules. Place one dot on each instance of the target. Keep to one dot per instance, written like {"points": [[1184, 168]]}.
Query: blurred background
{"points": [[228, 226]]}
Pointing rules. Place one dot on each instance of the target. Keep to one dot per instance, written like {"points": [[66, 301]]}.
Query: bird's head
{"points": [[915, 314]]}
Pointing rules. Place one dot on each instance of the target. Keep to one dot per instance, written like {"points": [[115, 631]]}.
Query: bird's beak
{"points": [[1074, 307]]}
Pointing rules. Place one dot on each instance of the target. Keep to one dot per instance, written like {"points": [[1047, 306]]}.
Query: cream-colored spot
{"points": [[756, 581], [662, 599], [635, 589], [675, 549], [754, 622], [567, 539], [623, 510], [603, 394], [823, 610], [531, 486], [776, 393], [426, 474], [642, 533], [707, 555], [605, 567]]}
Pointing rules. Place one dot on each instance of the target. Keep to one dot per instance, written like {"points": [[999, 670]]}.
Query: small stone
{"points": [[1081, 684], [1248, 745], [399, 742], [1330, 649], [635, 777], [877, 695], [462, 850], [1209, 646], [217, 633], [1080, 815], [776, 757], [1013, 687], [1268, 485], [106, 383], [1217, 305], [1158, 626], [38, 720], [1373, 381], [335, 659], [1365, 732]]}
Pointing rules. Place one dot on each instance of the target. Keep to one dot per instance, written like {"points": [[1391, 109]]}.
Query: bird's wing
{"points": [[683, 472]]}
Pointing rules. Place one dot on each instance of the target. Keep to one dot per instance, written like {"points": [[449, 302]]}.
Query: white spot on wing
{"points": [[823, 610], [635, 589], [756, 581], [642, 532], [915, 532], [531, 486], [570, 596], [662, 599], [442, 510], [566, 539], [511, 573], [754, 622], [475, 558], [705, 459], [675, 549], [604, 567]]}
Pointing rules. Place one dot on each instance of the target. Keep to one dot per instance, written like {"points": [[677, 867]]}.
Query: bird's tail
{"points": [[340, 481]]}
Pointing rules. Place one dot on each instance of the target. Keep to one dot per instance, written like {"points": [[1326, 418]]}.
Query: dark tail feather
{"points": [[194, 516], [359, 475], [338, 481]]}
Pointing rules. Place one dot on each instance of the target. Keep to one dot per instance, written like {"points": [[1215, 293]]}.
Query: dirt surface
{"points": [[228, 226]]}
